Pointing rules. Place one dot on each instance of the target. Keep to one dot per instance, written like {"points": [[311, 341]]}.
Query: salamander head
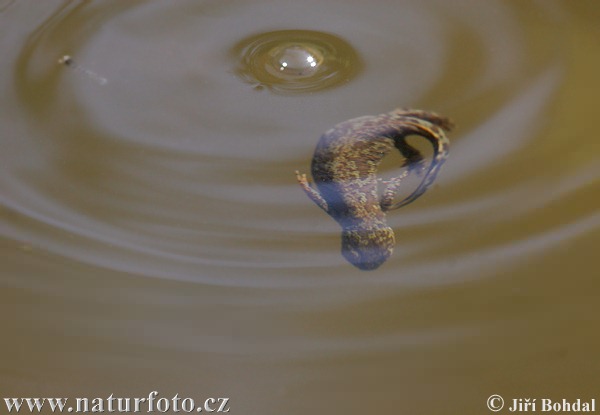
{"points": [[367, 247]]}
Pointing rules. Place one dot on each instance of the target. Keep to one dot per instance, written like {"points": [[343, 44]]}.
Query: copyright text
{"points": [[496, 403]]}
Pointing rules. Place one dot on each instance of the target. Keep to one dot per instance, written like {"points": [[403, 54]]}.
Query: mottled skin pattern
{"points": [[344, 168]]}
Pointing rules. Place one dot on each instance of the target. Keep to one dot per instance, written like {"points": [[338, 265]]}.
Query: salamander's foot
{"points": [[311, 192]]}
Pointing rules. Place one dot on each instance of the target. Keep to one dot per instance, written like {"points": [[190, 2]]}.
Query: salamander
{"points": [[344, 169]]}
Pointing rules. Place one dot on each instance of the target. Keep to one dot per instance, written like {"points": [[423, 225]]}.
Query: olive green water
{"points": [[153, 237]]}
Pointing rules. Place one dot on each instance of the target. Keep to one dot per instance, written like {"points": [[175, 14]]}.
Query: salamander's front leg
{"points": [[390, 191], [311, 192]]}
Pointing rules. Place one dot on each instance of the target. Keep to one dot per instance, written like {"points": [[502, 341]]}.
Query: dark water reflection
{"points": [[154, 238]]}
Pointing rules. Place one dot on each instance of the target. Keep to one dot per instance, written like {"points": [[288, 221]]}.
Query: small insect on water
{"points": [[68, 61], [344, 169]]}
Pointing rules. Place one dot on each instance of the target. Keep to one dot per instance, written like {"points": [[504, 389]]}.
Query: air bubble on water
{"points": [[295, 61]]}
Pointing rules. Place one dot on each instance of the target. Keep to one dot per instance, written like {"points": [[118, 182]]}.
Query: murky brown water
{"points": [[154, 237]]}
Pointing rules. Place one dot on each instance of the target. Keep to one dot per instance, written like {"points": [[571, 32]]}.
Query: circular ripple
{"points": [[296, 61], [175, 169]]}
